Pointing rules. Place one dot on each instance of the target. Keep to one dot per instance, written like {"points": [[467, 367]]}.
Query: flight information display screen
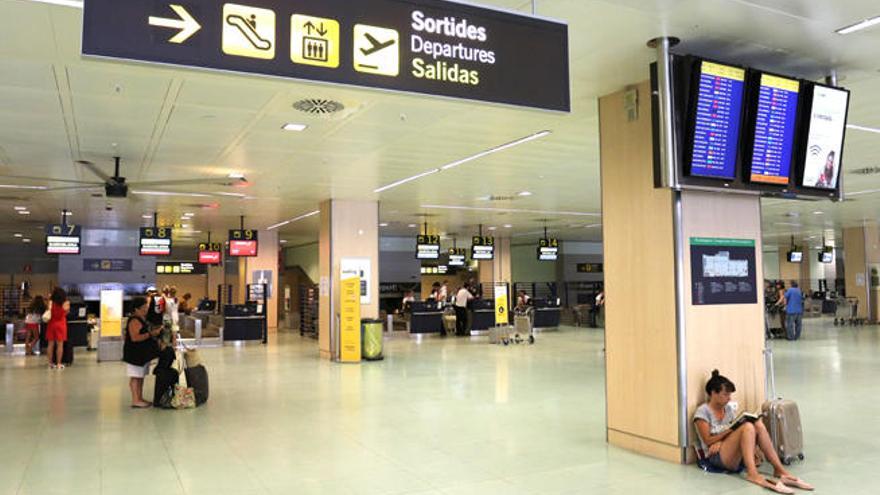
{"points": [[717, 121], [775, 124], [825, 139]]}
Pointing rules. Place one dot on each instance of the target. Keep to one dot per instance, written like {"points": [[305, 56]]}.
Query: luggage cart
{"points": [[523, 329], [847, 312]]}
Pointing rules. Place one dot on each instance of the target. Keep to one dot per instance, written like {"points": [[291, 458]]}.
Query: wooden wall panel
{"points": [[855, 266], [727, 337], [639, 283]]}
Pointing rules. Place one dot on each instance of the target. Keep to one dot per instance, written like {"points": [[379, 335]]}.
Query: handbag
{"points": [[183, 397], [47, 315]]}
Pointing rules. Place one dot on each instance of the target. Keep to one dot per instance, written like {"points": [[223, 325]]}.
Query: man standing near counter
{"points": [[462, 297]]}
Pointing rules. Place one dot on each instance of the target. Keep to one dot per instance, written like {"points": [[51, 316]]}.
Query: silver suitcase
{"points": [[782, 419]]}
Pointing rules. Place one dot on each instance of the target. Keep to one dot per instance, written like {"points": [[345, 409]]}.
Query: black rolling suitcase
{"points": [[66, 353], [196, 376], [197, 379]]}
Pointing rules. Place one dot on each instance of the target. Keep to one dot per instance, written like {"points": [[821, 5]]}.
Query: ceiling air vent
{"points": [[317, 106], [866, 171]]}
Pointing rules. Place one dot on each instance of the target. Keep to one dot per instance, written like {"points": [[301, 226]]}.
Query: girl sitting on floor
{"points": [[728, 449]]}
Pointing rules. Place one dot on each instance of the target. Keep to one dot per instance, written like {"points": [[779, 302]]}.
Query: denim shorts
{"points": [[715, 461]]}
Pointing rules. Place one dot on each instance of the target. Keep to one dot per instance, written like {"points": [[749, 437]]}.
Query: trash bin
{"points": [[371, 339]]}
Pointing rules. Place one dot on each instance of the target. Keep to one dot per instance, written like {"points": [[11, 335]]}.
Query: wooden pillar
{"points": [[660, 348]]}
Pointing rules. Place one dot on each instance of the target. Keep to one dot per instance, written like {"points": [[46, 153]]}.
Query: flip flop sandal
{"points": [[797, 483], [778, 486], [141, 406]]}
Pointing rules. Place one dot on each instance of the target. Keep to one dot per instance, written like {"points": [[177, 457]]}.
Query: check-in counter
{"points": [[547, 314], [243, 322], [426, 317], [482, 314]]}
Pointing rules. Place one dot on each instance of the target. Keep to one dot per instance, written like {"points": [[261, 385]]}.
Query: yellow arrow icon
{"points": [[187, 25]]}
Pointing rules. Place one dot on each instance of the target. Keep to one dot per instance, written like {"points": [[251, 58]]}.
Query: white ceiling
{"points": [[56, 107]]}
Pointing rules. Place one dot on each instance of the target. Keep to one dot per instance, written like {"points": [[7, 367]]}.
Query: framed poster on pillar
{"points": [[723, 271]]}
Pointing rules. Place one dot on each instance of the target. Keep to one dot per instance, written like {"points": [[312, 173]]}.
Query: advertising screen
{"points": [[795, 256], [717, 121], [155, 241], [63, 239], [242, 248], [827, 124], [775, 124], [826, 256]]}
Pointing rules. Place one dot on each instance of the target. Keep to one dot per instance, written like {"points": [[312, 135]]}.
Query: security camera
{"points": [[108, 208]]}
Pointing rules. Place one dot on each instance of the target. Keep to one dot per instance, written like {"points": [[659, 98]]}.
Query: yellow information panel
{"points": [[111, 313], [314, 41], [248, 31], [350, 320], [501, 317]]}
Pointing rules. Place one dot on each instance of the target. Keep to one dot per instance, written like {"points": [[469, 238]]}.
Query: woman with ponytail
{"points": [[731, 449]]}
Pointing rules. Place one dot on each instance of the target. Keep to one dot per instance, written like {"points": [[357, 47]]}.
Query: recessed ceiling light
{"points": [[24, 212], [235, 175], [508, 226], [147, 217], [863, 24], [524, 193], [412, 225], [493, 228], [818, 212], [17, 235], [295, 127], [25, 240], [68, 213], [185, 226], [19, 208], [283, 241], [383, 224]]}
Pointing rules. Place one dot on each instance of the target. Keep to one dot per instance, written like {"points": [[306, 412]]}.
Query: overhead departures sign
{"points": [[432, 47]]}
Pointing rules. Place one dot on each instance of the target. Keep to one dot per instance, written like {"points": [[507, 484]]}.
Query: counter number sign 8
{"points": [[157, 232]]}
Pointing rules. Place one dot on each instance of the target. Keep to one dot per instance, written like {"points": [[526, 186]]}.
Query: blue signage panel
{"points": [[775, 124], [434, 47], [716, 130]]}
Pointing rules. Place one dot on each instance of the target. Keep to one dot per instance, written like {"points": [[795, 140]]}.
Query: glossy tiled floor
{"points": [[437, 417]]}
